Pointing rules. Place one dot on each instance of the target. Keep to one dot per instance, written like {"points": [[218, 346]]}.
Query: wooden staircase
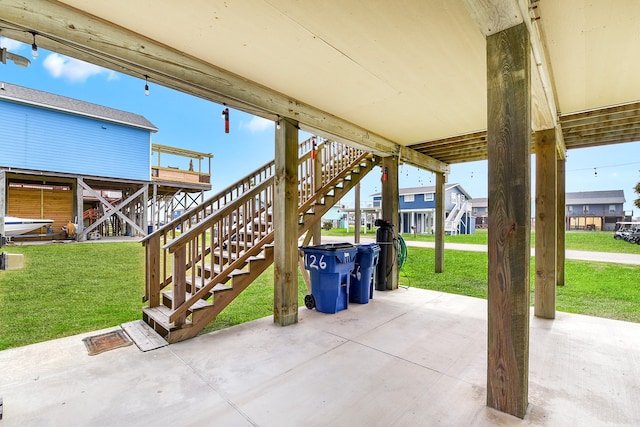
{"points": [[200, 262]]}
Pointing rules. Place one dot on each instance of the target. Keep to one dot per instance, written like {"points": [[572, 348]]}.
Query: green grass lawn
{"points": [[66, 289], [599, 241], [592, 288]]}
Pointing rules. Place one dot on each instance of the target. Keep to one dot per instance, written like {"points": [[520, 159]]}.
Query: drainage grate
{"points": [[105, 342]]}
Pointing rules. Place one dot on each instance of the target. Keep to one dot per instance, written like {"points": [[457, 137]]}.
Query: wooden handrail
{"points": [[221, 195], [231, 192], [202, 292], [205, 224]]}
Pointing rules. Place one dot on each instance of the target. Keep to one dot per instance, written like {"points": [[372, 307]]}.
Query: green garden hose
{"points": [[402, 252], [402, 257]]}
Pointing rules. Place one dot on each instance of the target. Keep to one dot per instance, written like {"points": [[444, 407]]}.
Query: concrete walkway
{"points": [[410, 357], [570, 254]]}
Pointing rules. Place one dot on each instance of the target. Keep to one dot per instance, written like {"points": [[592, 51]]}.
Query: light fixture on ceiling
{"points": [[225, 117], [313, 148], [278, 123], [34, 46], [146, 85]]}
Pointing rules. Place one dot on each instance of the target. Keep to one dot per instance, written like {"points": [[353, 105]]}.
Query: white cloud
{"points": [[11, 44], [257, 124], [74, 70]]}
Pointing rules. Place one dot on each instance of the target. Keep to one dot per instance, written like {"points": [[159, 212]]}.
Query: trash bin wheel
{"points": [[310, 302]]}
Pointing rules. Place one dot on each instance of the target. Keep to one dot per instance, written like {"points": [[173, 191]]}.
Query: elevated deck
{"points": [[181, 168]]}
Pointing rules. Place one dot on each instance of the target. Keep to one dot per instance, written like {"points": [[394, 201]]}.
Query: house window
{"points": [[454, 198], [612, 208], [585, 209], [428, 197], [570, 209], [409, 198]]}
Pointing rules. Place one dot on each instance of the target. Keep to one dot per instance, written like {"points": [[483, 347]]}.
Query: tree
{"points": [[637, 190]]}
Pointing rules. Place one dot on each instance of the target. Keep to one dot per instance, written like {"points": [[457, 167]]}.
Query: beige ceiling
{"points": [[375, 63], [410, 72]]}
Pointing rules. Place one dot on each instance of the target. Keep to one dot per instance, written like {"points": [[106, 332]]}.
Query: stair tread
{"points": [[221, 287], [198, 305], [159, 314], [216, 270]]}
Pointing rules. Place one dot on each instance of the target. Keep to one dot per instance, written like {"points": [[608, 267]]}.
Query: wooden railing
{"points": [[222, 243], [197, 252], [158, 275]]}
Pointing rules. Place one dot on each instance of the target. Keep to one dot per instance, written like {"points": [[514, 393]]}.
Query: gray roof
{"points": [[577, 198], [480, 202], [23, 95], [595, 197], [428, 189]]}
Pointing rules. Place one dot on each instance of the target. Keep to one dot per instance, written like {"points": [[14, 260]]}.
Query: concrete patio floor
{"points": [[410, 357]]}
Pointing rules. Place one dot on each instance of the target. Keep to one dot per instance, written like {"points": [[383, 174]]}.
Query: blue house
{"points": [[81, 163], [417, 208]]}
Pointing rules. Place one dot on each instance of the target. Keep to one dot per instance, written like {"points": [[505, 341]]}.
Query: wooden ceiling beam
{"points": [[479, 136], [618, 129], [601, 115], [623, 124]]}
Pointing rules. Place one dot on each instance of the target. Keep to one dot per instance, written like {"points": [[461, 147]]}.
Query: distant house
{"points": [[73, 161], [335, 217], [480, 211], [417, 209], [595, 210], [585, 210]]}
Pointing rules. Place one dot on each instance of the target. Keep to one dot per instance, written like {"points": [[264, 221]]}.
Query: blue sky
{"points": [[194, 124]]}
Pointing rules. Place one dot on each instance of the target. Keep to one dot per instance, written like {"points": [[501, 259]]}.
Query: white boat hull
{"points": [[14, 226]]}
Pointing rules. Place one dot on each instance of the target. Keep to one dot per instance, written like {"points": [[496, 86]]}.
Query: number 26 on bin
{"points": [[314, 262]]}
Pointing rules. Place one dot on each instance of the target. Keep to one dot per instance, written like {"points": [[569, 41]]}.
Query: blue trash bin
{"points": [[329, 268], [361, 288]]}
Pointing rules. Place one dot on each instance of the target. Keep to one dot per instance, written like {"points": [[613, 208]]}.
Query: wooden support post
{"points": [[439, 229], [153, 253], [390, 209], [144, 207], [546, 224], [509, 148], [317, 185], [285, 210], [155, 212], [79, 209], [561, 221], [356, 235], [179, 281]]}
